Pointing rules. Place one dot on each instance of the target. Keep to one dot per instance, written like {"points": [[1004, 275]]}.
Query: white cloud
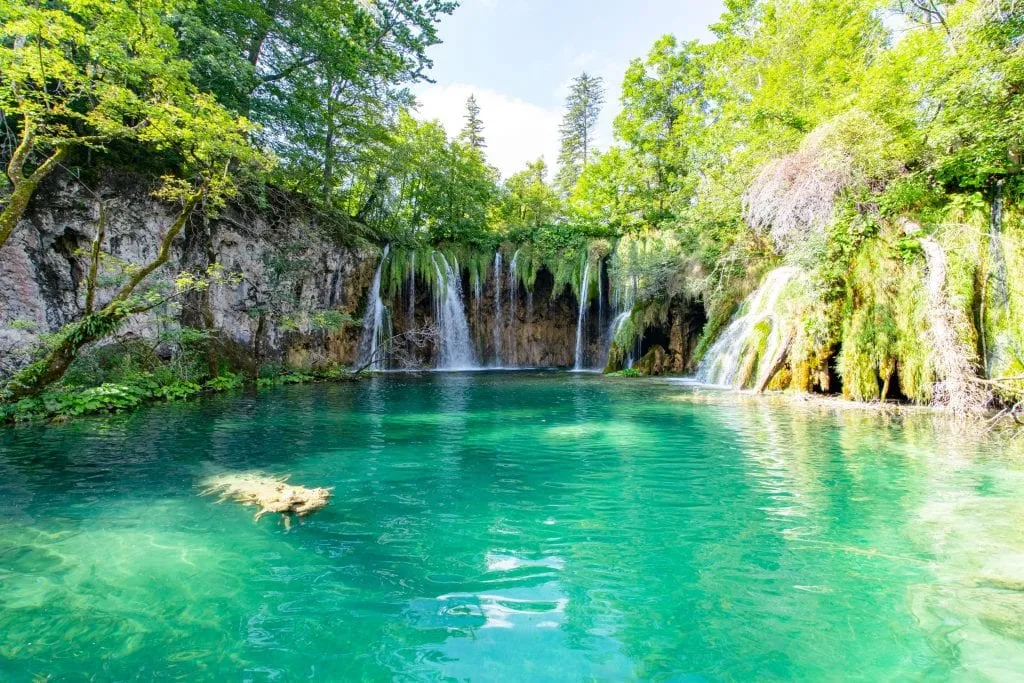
{"points": [[517, 131]]}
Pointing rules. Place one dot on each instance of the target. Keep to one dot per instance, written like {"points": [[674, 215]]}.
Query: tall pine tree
{"points": [[473, 132], [582, 107]]}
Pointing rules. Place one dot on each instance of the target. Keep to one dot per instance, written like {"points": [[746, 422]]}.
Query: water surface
{"points": [[510, 526]]}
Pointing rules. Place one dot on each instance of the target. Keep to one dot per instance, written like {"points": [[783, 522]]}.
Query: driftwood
{"points": [[956, 388], [400, 348], [269, 494]]}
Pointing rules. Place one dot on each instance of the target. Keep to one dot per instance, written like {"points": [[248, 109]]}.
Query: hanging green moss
{"points": [[616, 358], [1003, 318], [753, 354], [855, 363], [913, 347]]}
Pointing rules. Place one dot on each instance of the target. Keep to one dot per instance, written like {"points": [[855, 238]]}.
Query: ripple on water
{"points": [[511, 526]]}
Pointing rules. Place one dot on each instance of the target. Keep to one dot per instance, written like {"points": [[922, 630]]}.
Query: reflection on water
{"points": [[511, 526]]}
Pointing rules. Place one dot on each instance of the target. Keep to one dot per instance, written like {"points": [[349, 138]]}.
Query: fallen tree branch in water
{"points": [[399, 348], [269, 494]]}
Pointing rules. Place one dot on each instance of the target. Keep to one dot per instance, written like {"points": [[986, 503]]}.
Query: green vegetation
{"points": [[837, 136], [127, 373], [834, 136]]}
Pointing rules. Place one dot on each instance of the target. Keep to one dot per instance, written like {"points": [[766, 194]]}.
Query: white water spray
{"points": [[721, 364], [582, 315], [497, 308], [454, 349]]}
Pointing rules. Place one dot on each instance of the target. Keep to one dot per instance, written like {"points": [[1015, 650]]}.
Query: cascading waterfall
{"points": [[375, 322], [454, 349], [513, 290], [478, 294], [721, 364], [622, 305], [581, 317], [497, 308]]}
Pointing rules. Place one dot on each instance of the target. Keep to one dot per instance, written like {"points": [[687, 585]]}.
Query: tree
{"points": [[473, 132], [582, 107], [663, 114], [421, 184], [528, 200], [324, 78], [81, 75]]}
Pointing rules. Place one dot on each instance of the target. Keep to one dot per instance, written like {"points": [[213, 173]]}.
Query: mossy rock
{"points": [[782, 380], [653, 363], [753, 353], [616, 359]]}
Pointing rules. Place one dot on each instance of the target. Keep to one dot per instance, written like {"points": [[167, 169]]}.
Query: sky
{"points": [[519, 56]]}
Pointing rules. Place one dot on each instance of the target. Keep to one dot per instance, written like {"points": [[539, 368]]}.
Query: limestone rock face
{"points": [[288, 268]]}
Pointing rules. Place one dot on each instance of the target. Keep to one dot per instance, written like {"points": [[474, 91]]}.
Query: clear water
{"points": [[510, 526]]}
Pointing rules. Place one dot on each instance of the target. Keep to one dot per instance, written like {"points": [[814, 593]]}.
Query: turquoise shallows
{"points": [[511, 526]]}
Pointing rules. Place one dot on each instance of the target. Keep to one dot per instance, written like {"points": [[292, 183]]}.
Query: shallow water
{"points": [[524, 526]]}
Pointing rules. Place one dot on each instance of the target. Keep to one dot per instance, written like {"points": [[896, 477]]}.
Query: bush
{"points": [[176, 391], [226, 381]]}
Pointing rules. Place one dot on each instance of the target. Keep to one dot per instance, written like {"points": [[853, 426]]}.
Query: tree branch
{"points": [[94, 258], [165, 247]]}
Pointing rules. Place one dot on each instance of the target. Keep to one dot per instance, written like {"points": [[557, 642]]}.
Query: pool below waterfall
{"points": [[511, 526]]}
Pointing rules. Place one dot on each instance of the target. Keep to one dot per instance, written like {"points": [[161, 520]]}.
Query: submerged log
{"points": [[268, 494]]}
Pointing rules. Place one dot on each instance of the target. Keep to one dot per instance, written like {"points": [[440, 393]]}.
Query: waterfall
{"points": [[622, 306], [722, 362], [600, 294], [478, 293], [582, 315], [454, 349], [497, 308], [513, 290], [375, 322]]}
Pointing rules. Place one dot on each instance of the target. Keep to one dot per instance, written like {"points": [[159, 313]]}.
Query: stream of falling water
{"points": [[375, 321], [582, 315], [721, 364], [455, 352], [497, 308], [622, 306], [513, 291]]}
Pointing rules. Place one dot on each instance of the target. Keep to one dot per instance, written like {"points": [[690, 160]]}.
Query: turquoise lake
{"points": [[526, 526]]}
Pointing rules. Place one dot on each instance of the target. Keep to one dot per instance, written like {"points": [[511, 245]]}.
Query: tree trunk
{"points": [[15, 209], [329, 150], [39, 375], [777, 362], [25, 187], [886, 381], [94, 259]]}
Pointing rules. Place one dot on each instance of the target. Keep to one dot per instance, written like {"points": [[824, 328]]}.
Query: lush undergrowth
{"points": [[124, 375]]}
